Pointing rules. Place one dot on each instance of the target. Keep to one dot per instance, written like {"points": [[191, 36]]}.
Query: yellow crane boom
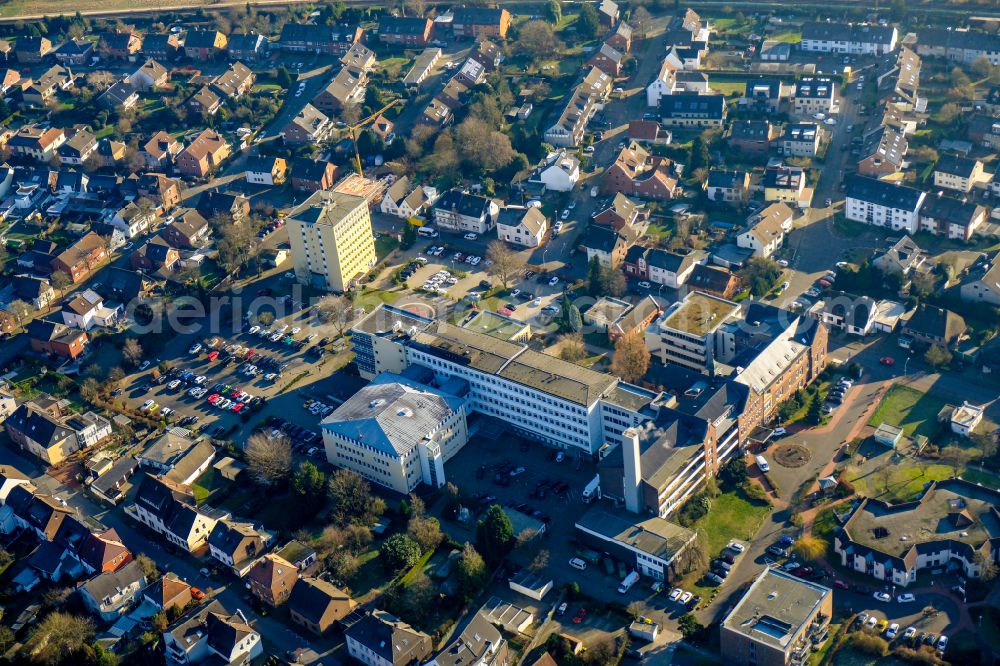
{"points": [[353, 129]]}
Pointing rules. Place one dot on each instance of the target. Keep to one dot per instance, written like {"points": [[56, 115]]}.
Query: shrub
{"points": [[867, 643]]}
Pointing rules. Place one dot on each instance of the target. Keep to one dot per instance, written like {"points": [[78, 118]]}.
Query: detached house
{"points": [[727, 186], [902, 258], [346, 88], [35, 428], [637, 173], [463, 212], [312, 176], [161, 150], [815, 94], [132, 220], [621, 213], [266, 170], [78, 148], [150, 75], [272, 578], [692, 110], [405, 201], [113, 593], [559, 171], [205, 155], [957, 173], [787, 184], [237, 544], [801, 140], [310, 125], [188, 230], [752, 137], [522, 226], [164, 192], [55, 339], [854, 314], [932, 325], [983, 284], [210, 634], [317, 605]]}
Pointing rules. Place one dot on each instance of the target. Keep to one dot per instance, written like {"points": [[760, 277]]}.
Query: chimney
{"points": [[633, 474]]}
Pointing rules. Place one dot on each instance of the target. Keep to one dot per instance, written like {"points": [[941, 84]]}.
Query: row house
{"points": [[248, 47], [168, 508], [958, 173], [661, 267], [459, 211], [727, 186], [80, 258], [319, 39], [848, 38], [205, 45], [883, 152], [752, 137], [480, 22], [37, 143], [607, 59], [188, 231], [962, 46], [409, 31], [583, 103], [120, 45], [165, 47], [952, 218], [621, 213], [163, 191]]}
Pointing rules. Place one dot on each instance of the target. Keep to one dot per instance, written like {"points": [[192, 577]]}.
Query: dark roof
{"points": [[306, 32], [847, 32], [725, 179], [390, 638], [710, 279], [973, 40], [311, 597], [599, 237], [687, 104], [29, 288], [107, 584], [306, 169], [246, 42], [751, 129], [402, 25], [935, 322], [754, 88], [955, 165], [856, 311], [200, 39], [950, 210], [668, 261], [470, 205], [882, 193], [477, 15]]}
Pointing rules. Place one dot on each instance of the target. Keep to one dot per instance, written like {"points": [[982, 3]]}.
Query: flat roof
{"points": [[699, 313], [775, 608], [495, 325], [654, 536], [952, 510]]}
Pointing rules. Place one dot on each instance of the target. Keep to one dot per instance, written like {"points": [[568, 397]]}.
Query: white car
{"points": [[891, 631], [871, 622], [554, 281], [565, 214], [536, 302], [174, 384], [144, 365], [166, 411], [254, 330], [200, 379], [514, 293], [685, 597], [783, 263], [275, 337], [942, 643], [645, 285], [736, 546], [906, 598], [830, 121], [271, 376], [471, 236], [910, 632], [557, 226], [195, 348], [784, 285], [193, 392], [675, 593], [284, 327], [295, 331], [882, 596], [779, 432], [842, 264], [147, 405]]}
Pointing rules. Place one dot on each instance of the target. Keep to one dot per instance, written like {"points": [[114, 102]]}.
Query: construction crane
{"points": [[353, 129]]}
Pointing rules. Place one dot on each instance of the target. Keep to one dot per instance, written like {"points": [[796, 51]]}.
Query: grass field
{"points": [[905, 482], [732, 516], [56, 7], [913, 411]]}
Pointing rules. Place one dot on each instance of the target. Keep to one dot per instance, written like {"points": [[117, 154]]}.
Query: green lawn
{"points": [[728, 87], [385, 244], [207, 484], [913, 411], [905, 482], [732, 516]]}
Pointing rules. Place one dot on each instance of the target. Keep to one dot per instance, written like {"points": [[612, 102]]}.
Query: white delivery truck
{"points": [[592, 490], [629, 581]]}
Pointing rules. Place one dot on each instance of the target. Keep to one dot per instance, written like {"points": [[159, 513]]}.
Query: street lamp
{"points": [[907, 361]]}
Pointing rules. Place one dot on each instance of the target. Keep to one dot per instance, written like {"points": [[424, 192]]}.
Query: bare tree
{"points": [[640, 21], [336, 310], [414, 7], [631, 358], [506, 263], [60, 280], [132, 353], [269, 459], [572, 348], [20, 311]]}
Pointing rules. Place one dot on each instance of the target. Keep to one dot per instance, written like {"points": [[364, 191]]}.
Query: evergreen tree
{"points": [[570, 319], [815, 415], [594, 277], [494, 534]]}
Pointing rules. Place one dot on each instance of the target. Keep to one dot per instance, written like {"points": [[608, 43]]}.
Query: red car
{"points": [[213, 355], [235, 394], [841, 585], [237, 406], [580, 616], [197, 594], [887, 360], [214, 398]]}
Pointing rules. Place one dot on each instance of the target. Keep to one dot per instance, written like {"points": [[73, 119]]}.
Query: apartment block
{"points": [[332, 240]]}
